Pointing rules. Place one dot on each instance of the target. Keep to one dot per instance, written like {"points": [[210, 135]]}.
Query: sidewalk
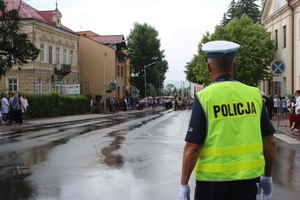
{"points": [[58, 120], [284, 127]]}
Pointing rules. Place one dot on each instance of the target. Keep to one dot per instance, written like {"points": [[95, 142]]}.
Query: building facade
{"points": [[58, 62], [102, 63], [282, 19]]}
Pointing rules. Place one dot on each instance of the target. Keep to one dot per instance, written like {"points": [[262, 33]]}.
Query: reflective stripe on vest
{"points": [[232, 149]]}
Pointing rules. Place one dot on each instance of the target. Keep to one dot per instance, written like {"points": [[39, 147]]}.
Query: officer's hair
{"points": [[223, 64]]}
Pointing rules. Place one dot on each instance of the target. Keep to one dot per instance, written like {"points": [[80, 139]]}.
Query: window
{"points": [[51, 54], [40, 85], [65, 56], [68, 81], [48, 85], [276, 40], [121, 71], [58, 55], [42, 57], [12, 84], [118, 70], [71, 57], [284, 36], [74, 81]]}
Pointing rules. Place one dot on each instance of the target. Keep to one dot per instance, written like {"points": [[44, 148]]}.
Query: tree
{"points": [[15, 47], [248, 7], [225, 20], [159, 75], [169, 88], [232, 11], [237, 9], [144, 49], [253, 58]]}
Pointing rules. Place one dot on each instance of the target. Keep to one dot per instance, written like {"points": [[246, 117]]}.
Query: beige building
{"points": [[282, 19], [103, 61], [58, 61]]}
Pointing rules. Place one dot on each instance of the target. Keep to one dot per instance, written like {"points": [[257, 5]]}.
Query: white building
{"points": [[282, 19]]}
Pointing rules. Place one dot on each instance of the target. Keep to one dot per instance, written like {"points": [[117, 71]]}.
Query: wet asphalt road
{"points": [[123, 158]]}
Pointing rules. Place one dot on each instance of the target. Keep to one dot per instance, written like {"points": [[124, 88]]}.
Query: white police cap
{"points": [[220, 48]]}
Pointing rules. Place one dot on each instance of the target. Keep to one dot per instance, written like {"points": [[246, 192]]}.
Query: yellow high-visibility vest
{"points": [[232, 149]]}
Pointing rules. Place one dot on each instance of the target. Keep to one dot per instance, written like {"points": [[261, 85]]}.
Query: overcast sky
{"points": [[181, 24]]}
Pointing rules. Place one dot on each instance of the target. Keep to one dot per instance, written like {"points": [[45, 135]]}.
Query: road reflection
{"points": [[287, 168], [15, 165]]}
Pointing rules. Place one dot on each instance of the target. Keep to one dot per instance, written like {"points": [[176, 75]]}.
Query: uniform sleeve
{"points": [[266, 126], [197, 128]]}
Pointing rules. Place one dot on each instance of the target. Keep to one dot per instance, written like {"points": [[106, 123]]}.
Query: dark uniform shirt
{"points": [[198, 126]]}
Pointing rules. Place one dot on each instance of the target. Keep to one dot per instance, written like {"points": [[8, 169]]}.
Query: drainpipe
{"points": [[34, 62], [293, 45], [78, 62]]}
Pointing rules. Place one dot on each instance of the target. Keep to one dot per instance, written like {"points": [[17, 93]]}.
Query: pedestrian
{"points": [[296, 108], [117, 104], [283, 108], [125, 104], [270, 106], [27, 105], [292, 115], [229, 142], [185, 104], [4, 107], [15, 106], [24, 105], [276, 107], [130, 104], [111, 105]]}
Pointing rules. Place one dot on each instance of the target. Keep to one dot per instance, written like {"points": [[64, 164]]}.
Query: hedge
{"points": [[54, 105]]}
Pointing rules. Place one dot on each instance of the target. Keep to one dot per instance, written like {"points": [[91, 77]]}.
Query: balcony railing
{"points": [[62, 69]]}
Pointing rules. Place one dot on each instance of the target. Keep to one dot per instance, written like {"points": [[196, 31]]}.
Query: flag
{"points": [[150, 85]]}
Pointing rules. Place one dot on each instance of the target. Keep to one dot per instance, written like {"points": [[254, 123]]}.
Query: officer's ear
{"points": [[209, 68], [234, 66]]}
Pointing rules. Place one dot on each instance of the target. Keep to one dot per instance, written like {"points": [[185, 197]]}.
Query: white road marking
{"points": [[287, 139]]}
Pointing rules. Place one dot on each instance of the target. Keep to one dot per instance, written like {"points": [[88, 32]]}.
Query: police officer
{"points": [[229, 142]]}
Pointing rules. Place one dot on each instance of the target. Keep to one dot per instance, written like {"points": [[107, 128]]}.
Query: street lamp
{"points": [[183, 89], [145, 68], [104, 74]]}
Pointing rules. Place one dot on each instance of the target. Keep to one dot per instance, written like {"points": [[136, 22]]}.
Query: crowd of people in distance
{"points": [[13, 108], [285, 107], [183, 104], [127, 104]]}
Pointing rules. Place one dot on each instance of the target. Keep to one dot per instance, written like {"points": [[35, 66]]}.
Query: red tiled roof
{"points": [[107, 39], [28, 12]]}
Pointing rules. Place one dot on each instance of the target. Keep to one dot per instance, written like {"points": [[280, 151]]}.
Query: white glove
{"points": [[184, 193], [266, 185]]}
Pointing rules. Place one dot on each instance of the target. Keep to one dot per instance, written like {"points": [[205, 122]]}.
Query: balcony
{"points": [[121, 57], [62, 69]]}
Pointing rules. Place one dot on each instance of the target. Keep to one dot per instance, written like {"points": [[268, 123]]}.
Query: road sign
{"points": [[134, 89], [277, 78], [278, 67], [113, 85]]}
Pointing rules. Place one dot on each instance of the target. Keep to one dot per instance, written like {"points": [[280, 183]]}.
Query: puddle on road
{"points": [[287, 170], [15, 165], [114, 160]]}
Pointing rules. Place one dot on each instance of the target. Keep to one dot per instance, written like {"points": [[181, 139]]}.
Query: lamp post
{"points": [[145, 68], [104, 74]]}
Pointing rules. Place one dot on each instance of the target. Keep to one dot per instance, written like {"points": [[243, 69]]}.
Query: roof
{"points": [[28, 12], [108, 39]]}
